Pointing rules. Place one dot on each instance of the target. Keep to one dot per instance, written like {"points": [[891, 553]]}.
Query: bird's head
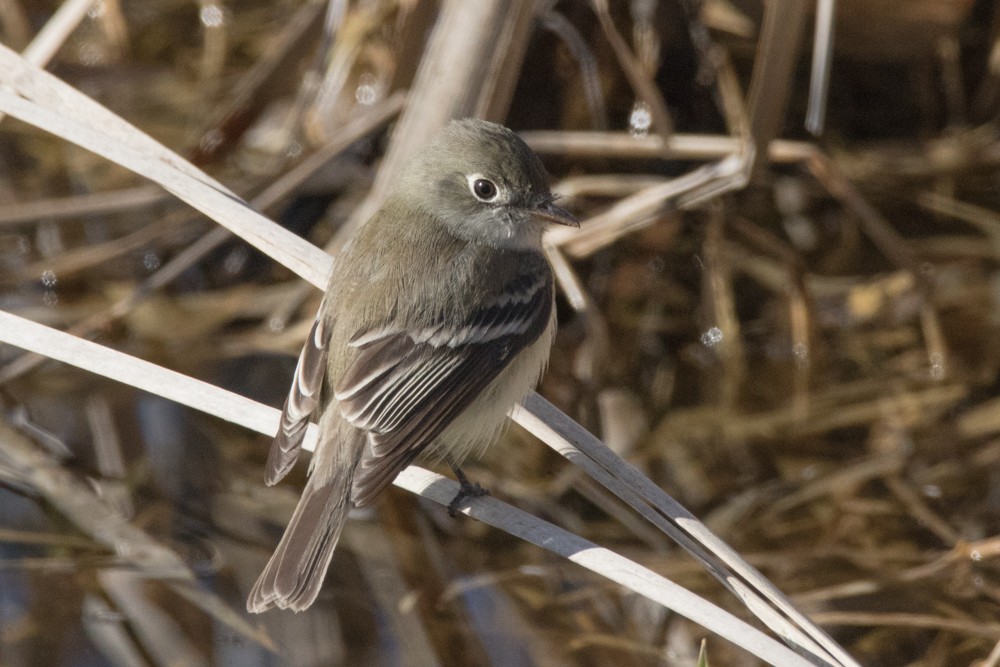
{"points": [[484, 183]]}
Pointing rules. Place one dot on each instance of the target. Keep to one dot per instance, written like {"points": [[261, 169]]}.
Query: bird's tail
{"points": [[293, 577]]}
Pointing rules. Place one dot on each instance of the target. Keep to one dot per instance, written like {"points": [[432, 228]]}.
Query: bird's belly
{"points": [[479, 425]]}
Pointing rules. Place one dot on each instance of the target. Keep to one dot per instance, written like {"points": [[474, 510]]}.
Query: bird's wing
{"points": [[405, 386], [302, 400]]}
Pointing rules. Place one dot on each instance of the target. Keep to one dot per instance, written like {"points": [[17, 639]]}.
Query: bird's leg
{"points": [[468, 489]]}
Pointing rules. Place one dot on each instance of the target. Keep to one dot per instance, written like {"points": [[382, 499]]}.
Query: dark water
{"points": [[811, 369]]}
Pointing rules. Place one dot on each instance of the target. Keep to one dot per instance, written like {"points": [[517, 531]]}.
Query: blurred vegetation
{"points": [[810, 363]]}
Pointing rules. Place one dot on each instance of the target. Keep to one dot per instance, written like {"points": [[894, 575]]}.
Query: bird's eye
{"points": [[484, 189]]}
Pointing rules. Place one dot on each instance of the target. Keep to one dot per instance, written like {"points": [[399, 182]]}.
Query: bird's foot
{"points": [[467, 490]]}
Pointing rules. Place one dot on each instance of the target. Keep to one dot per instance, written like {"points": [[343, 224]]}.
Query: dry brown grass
{"points": [[794, 336]]}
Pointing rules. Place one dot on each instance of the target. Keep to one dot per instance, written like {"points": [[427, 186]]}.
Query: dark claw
{"points": [[467, 490]]}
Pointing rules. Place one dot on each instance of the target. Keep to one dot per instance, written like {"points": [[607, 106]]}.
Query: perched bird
{"points": [[438, 318]]}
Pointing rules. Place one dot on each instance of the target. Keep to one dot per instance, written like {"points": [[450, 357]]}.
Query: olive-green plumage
{"points": [[438, 319]]}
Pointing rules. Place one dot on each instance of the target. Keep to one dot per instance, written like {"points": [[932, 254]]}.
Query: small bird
{"points": [[438, 318]]}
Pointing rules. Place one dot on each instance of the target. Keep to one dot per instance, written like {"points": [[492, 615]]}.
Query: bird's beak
{"points": [[549, 212]]}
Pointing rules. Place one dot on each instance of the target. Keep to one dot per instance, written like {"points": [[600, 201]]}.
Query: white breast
{"points": [[484, 420]]}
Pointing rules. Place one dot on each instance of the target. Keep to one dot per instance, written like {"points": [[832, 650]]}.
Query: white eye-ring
{"points": [[483, 188]]}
